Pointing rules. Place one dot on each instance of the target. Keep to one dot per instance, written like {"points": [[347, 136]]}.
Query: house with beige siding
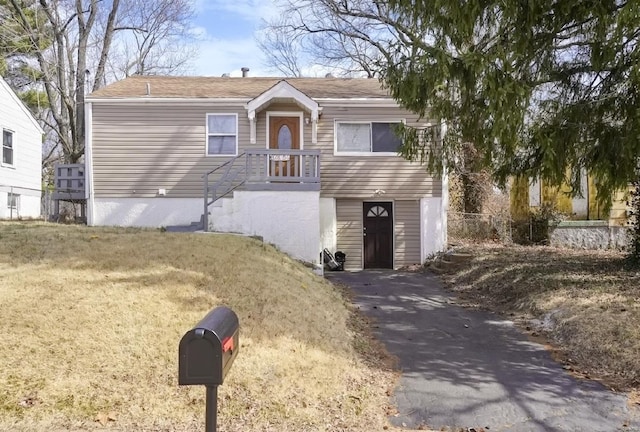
{"points": [[305, 163]]}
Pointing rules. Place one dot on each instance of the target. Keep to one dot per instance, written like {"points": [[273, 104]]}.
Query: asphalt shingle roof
{"points": [[249, 87]]}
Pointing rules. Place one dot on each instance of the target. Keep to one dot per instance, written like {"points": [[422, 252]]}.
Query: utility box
{"points": [[207, 351]]}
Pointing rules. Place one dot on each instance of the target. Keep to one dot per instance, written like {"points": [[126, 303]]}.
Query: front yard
{"points": [[91, 319]]}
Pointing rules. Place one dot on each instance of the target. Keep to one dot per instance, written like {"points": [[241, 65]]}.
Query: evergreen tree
{"points": [[541, 88], [633, 213]]}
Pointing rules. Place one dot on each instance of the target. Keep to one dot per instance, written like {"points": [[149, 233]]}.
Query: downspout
{"points": [[445, 192], [88, 163]]}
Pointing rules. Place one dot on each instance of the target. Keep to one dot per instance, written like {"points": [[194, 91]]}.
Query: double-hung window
{"points": [[13, 201], [7, 147], [367, 138], [222, 134]]}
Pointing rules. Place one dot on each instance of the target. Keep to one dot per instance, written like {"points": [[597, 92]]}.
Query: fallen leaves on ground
{"points": [[584, 302]]}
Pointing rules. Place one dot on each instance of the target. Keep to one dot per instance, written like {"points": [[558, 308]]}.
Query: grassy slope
{"points": [[589, 296], [91, 320]]}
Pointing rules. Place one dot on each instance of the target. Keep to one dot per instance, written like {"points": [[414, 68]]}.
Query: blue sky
{"points": [[227, 30]]}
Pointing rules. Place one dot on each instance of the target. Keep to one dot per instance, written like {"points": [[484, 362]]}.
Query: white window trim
{"points": [[13, 141], [336, 152], [207, 135], [298, 114]]}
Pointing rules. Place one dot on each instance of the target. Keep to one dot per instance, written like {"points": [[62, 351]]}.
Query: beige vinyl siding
{"points": [[361, 176], [349, 231], [140, 148], [407, 232]]}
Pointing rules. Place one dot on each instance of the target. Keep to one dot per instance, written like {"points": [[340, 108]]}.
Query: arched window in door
{"points": [[378, 211], [284, 138]]}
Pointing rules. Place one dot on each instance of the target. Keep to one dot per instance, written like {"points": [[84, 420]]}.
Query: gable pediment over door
{"points": [[283, 92]]}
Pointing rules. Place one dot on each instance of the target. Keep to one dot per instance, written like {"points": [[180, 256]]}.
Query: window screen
{"points": [[354, 137], [373, 137], [222, 134]]}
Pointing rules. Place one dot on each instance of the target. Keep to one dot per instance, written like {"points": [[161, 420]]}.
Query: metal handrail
{"points": [[224, 164], [225, 178]]}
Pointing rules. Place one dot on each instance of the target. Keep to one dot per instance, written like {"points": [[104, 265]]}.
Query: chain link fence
{"points": [[47, 205], [479, 227]]}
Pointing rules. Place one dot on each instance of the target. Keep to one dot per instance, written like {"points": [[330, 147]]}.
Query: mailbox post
{"points": [[211, 409], [206, 354]]}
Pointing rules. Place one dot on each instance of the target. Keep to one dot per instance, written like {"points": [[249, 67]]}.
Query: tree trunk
{"points": [[474, 180], [106, 45]]}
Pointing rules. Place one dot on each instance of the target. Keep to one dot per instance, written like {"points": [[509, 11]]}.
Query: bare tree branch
{"points": [[69, 38]]}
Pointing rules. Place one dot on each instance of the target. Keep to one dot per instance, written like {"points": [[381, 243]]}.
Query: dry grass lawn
{"points": [[587, 301], [91, 319]]}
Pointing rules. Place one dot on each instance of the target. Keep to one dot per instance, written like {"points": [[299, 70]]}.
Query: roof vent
{"points": [[329, 75], [148, 89], [245, 72], [225, 75]]}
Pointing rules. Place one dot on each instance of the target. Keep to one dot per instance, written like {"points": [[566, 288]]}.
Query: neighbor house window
{"points": [[13, 201], [222, 134], [367, 137], [7, 147]]}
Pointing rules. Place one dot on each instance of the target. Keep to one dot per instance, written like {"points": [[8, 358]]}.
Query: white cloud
{"points": [[249, 10], [218, 56]]}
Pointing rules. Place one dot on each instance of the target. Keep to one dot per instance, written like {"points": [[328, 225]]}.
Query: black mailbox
{"points": [[207, 351]]}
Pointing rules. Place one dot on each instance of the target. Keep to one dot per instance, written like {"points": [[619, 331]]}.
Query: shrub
{"points": [[538, 227]]}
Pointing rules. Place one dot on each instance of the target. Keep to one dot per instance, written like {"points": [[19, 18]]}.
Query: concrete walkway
{"points": [[468, 368]]}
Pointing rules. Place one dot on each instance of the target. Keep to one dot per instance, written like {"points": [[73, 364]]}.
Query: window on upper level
{"points": [[357, 138], [222, 134], [7, 147]]}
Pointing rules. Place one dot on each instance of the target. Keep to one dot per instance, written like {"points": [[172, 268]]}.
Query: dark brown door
{"points": [[284, 134], [378, 234]]}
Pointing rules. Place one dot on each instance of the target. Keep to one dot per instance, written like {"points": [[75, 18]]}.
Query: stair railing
{"points": [[232, 178]]}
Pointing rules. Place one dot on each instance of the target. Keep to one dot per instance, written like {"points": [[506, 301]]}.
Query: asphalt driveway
{"points": [[468, 368]]}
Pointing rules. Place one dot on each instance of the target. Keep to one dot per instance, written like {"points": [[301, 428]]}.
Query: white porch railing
{"points": [[283, 169]]}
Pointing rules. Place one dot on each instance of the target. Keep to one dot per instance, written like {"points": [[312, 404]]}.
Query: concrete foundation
{"points": [[589, 235]]}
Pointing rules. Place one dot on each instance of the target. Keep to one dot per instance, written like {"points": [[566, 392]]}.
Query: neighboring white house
{"points": [[21, 165]]}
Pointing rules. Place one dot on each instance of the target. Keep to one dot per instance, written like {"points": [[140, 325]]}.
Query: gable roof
{"points": [[283, 90], [248, 87], [19, 103]]}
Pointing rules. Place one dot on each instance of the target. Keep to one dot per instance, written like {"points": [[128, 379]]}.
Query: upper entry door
{"points": [[284, 134], [378, 234]]}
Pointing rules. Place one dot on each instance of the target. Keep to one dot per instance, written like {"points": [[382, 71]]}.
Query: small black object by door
{"points": [[378, 234]]}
